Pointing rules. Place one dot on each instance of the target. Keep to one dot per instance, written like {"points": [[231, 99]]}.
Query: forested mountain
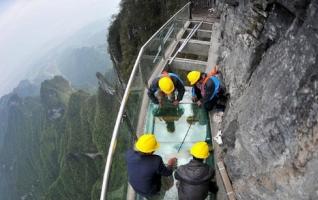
{"points": [[80, 65], [133, 26], [55, 141], [78, 58]]}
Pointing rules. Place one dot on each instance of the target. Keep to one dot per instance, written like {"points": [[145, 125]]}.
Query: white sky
{"points": [[27, 26]]}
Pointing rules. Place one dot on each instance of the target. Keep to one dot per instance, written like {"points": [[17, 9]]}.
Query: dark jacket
{"points": [[145, 171], [195, 180], [178, 85]]}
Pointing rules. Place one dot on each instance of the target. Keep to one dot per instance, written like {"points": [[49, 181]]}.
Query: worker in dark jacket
{"points": [[207, 89], [145, 169], [166, 86], [195, 178]]}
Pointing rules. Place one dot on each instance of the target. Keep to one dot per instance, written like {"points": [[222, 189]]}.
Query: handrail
{"points": [[195, 28], [113, 142]]}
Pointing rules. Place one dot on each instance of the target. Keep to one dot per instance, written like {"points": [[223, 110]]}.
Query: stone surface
{"points": [[269, 56]]}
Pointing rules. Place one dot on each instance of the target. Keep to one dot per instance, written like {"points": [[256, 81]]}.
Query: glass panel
{"points": [[153, 53], [156, 49], [177, 129], [135, 100], [118, 181], [127, 132]]}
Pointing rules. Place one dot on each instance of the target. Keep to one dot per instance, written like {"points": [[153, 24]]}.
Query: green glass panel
{"points": [[177, 129]]}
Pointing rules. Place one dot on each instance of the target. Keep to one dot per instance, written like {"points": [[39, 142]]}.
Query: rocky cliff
{"points": [[270, 66]]}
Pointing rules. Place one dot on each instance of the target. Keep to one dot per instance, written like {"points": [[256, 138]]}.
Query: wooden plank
{"points": [[226, 181]]}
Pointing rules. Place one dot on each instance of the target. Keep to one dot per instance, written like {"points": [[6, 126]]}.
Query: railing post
{"points": [[162, 46], [175, 28]]}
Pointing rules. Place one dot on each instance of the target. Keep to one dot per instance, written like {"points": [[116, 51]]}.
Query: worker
{"points": [[145, 169], [207, 89], [195, 178], [166, 86]]}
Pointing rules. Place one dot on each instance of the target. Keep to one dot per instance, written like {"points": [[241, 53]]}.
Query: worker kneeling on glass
{"points": [[166, 86], [145, 169], [195, 178], [207, 89]]}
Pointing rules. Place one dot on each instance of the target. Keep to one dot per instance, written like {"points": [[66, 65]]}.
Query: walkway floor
{"points": [[172, 125], [207, 14]]}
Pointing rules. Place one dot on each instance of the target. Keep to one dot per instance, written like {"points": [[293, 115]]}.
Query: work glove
{"points": [[172, 162], [194, 99], [199, 103]]}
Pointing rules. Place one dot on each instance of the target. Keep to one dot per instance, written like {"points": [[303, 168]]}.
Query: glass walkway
{"points": [[177, 128], [180, 45]]}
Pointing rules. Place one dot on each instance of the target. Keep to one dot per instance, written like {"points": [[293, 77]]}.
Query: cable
{"points": [[184, 138]]}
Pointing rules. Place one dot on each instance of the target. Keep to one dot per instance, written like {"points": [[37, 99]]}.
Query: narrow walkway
{"points": [[171, 124]]}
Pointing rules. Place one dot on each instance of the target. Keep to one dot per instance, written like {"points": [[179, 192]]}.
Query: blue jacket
{"points": [[178, 83], [211, 88], [145, 171]]}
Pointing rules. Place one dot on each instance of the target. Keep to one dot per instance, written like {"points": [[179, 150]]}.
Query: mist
{"points": [[29, 28]]}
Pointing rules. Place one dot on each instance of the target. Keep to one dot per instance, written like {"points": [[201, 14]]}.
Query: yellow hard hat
{"points": [[200, 150], [193, 77], [166, 85], [147, 143]]}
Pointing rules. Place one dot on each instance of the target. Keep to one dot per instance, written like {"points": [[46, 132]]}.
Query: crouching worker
{"points": [[207, 89], [195, 178], [166, 86], [145, 169]]}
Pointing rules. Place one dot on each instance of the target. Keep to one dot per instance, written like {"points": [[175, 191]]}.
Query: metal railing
{"points": [[164, 33]]}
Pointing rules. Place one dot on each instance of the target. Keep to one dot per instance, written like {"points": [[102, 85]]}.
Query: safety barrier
{"points": [[115, 181]]}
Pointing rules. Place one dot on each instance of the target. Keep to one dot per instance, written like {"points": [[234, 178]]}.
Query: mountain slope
{"points": [[80, 65], [54, 144], [78, 58], [133, 26], [66, 137]]}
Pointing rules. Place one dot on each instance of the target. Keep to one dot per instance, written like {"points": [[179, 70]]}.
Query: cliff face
{"points": [[269, 61]]}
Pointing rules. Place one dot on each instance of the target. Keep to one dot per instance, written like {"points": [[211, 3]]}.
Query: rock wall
{"points": [[270, 66]]}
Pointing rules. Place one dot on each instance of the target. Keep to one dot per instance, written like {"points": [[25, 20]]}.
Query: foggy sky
{"points": [[30, 27]]}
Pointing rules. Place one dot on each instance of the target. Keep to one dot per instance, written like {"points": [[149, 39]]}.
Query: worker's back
{"points": [[194, 180], [144, 172]]}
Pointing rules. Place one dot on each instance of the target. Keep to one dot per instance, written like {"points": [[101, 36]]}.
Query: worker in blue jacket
{"points": [[145, 169], [207, 89], [166, 86]]}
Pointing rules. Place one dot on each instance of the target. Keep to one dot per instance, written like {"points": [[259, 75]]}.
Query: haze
{"points": [[29, 28]]}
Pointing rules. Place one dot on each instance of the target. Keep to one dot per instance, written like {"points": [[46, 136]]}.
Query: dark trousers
{"points": [[218, 102], [166, 184]]}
